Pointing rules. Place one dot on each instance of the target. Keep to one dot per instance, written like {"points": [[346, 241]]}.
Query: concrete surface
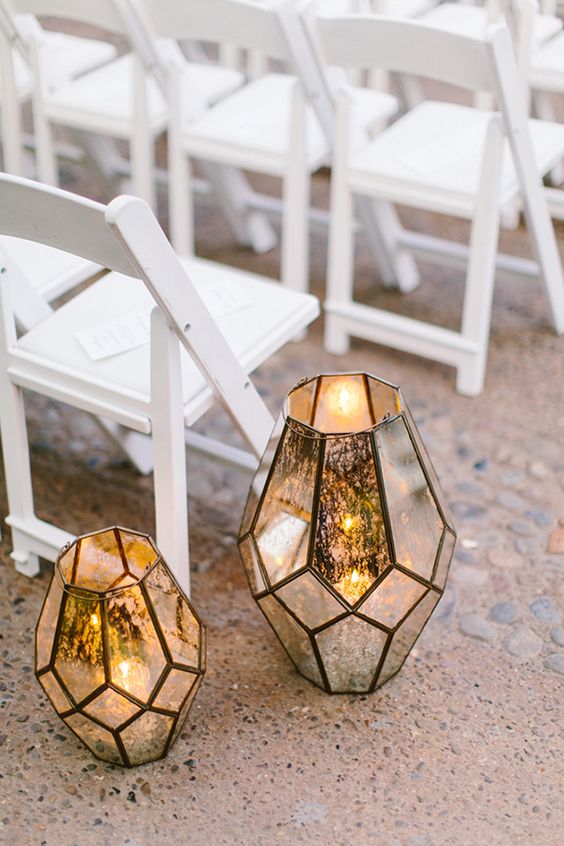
{"points": [[463, 746]]}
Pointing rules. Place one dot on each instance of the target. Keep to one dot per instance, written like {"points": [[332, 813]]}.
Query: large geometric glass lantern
{"points": [[346, 537], [119, 649]]}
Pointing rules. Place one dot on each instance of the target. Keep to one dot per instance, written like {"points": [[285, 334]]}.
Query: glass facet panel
{"points": [[79, 647], [111, 708], [309, 600], [185, 709], [350, 542], [66, 563], [385, 399], [445, 558], [98, 739], [301, 402], [100, 564], [392, 599], [55, 693], [175, 690], [416, 523], [351, 650], [429, 467], [342, 405], [294, 639], [47, 624], [139, 552], [405, 637], [260, 477], [282, 529], [135, 655], [252, 566], [178, 623], [145, 739]]}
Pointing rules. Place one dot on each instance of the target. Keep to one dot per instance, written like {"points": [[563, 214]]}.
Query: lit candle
{"points": [[353, 585], [346, 405]]}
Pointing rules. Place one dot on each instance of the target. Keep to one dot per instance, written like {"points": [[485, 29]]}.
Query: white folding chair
{"points": [[265, 127], [68, 56], [472, 20], [157, 388], [120, 100], [445, 158]]}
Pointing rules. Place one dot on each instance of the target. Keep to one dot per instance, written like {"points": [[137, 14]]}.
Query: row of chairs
{"points": [[442, 156]]}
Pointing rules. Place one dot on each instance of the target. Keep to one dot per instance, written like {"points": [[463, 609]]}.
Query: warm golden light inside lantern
{"points": [[346, 539], [119, 648]]}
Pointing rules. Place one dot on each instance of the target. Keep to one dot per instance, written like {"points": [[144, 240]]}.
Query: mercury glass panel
{"points": [[384, 398], [175, 690], [350, 542], [99, 740], [252, 566], [445, 557], [416, 523], [111, 708], [185, 708], [342, 405], [79, 652], [309, 600], [178, 623], [301, 402], [47, 624], [294, 639], [406, 635], [350, 651], [260, 477], [392, 599], [429, 467], [145, 739], [135, 655], [100, 565], [282, 527], [55, 693], [139, 552]]}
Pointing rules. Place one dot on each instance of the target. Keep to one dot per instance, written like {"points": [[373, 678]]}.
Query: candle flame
{"points": [[95, 620], [355, 576], [347, 522], [123, 668]]}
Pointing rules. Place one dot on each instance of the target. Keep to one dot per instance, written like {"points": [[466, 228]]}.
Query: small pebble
{"points": [[519, 527], [538, 470], [504, 612], [525, 546], [511, 500], [545, 611], [541, 518], [557, 635], [523, 642], [555, 544], [475, 626], [555, 662]]}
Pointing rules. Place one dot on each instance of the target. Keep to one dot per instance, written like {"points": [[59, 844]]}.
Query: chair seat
{"points": [[51, 272], [251, 128], [431, 158], [398, 8], [67, 56], [546, 70], [472, 21], [271, 317], [102, 100]]}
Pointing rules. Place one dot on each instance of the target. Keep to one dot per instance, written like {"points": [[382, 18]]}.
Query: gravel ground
{"points": [[463, 745]]}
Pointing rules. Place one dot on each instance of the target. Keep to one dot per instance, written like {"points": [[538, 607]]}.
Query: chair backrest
{"points": [[406, 46], [235, 22], [99, 13], [126, 237]]}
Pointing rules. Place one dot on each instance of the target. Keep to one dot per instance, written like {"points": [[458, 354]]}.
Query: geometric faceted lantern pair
{"points": [[120, 652], [346, 537]]}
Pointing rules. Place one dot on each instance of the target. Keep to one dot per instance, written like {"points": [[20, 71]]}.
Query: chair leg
{"points": [[13, 431], [296, 184], [47, 168], [181, 204], [480, 277], [141, 147], [340, 256], [169, 450]]}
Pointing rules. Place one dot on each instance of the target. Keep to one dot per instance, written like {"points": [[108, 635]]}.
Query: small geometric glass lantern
{"points": [[346, 538], [119, 650]]}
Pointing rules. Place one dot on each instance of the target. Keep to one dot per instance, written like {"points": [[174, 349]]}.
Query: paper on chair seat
{"points": [[133, 330]]}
